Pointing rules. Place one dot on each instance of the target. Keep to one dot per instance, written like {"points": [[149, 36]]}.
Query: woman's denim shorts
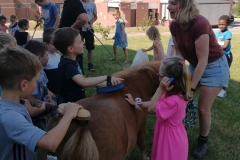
{"points": [[216, 74]]}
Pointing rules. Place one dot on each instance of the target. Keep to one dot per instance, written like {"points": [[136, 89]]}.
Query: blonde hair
{"points": [[7, 40], [174, 67], [121, 14], [187, 11], [153, 33]]}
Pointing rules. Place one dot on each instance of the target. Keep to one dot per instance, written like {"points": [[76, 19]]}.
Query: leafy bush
{"points": [[236, 9], [146, 21], [104, 31]]}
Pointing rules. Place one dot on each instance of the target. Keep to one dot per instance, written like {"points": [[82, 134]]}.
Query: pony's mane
{"points": [[152, 67]]}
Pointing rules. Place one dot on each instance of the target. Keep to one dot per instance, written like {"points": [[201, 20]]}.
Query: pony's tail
{"points": [[81, 146]]}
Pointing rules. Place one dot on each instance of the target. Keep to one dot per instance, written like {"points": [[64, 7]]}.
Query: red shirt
{"points": [[4, 28], [186, 39]]}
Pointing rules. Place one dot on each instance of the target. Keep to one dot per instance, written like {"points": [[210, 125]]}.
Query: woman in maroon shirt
{"points": [[195, 42]]}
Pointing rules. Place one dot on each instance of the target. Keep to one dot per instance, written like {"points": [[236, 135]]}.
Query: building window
{"points": [[111, 9], [33, 5], [18, 5]]}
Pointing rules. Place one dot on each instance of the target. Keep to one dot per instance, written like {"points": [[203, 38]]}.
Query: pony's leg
{"points": [[141, 139]]}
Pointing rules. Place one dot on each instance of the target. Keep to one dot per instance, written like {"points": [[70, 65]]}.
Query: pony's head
{"points": [[141, 78]]}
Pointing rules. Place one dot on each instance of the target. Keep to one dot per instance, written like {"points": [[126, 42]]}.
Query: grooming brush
{"points": [[106, 86], [82, 117], [103, 88]]}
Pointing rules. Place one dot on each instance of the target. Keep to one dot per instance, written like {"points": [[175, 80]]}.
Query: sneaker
{"points": [[201, 149], [90, 67], [222, 93], [50, 157]]}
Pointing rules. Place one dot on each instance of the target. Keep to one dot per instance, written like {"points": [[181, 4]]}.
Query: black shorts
{"points": [[229, 59], [88, 37]]}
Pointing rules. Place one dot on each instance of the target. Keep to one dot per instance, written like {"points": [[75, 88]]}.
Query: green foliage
{"points": [[236, 9], [146, 21], [104, 31]]}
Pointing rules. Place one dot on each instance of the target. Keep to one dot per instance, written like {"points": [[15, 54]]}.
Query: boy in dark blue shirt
{"points": [[72, 82]]}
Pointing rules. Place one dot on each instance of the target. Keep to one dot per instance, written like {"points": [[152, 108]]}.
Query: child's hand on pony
{"points": [[70, 109], [165, 84], [144, 50], [115, 81], [137, 102], [130, 99]]}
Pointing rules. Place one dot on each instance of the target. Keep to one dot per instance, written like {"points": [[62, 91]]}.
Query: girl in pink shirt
{"points": [[3, 27], [169, 102], [154, 35]]}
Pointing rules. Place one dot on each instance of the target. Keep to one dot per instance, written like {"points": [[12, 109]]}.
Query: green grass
{"points": [[224, 138], [139, 29]]}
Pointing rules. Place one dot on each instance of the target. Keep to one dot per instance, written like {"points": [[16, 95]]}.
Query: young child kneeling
{"points": [[19, 138]]}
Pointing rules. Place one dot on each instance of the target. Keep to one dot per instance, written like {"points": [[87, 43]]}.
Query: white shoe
{"points": [[222, 93], [49, 157]]}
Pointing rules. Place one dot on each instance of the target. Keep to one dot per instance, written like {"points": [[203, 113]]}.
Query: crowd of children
{"points": [[41, 79], [30, 86]]}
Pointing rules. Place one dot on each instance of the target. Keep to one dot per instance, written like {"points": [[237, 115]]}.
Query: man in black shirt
{"points": [[75, 16]]}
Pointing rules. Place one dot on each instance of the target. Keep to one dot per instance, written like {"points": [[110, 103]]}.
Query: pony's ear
{"points": [[152, 69]]}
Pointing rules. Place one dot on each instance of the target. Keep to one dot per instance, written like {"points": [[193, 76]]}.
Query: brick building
{"points": [[21, 8], [135, 10]]}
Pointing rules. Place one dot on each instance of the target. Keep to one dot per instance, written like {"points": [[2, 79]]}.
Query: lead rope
{"points": [[191, 110]]}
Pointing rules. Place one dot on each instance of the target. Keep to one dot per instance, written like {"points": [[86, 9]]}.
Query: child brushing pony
{"points": [[169, 104]]}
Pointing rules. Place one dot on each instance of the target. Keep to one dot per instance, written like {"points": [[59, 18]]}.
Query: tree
{"points": [[236, 8]]}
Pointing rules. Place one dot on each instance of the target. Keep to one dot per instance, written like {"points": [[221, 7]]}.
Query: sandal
{"points": [[113, 59]]}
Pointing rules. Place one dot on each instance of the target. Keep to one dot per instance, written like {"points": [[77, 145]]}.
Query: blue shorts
{"points": [[216, 74]]}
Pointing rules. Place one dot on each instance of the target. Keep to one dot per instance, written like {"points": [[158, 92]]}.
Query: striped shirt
{"points": [[18, 136]]}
